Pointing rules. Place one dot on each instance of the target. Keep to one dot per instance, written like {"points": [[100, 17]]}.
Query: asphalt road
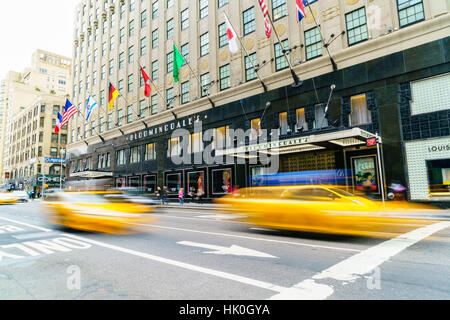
{"points": [[206, 255]]}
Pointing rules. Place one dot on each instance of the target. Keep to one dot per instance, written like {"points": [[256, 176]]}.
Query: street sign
{"points": [[371, 142], [54, 160]]}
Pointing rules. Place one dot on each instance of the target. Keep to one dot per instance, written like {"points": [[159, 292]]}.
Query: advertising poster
{"points": [[222, 183], [365, 178]]}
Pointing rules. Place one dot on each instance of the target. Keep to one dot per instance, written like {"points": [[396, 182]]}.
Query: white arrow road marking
{"points": [[233, 250], [358, 265]]}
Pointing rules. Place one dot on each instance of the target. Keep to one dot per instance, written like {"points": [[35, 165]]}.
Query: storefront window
{"points": [[173, 147], [320, 120], [195, 143], [120, 183], [150, 152], [439, 177], [134, 182], [150, 184], [222, 181], [256, 128], [196, 184], [173, 182], [135, 155]]}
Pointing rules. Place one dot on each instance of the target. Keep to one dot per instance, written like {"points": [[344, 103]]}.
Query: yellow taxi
{"points": [[7, 198], [319, 208], [97, 211]]}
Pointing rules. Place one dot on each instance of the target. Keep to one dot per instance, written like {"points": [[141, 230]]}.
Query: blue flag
{"points": [[90, 105]]}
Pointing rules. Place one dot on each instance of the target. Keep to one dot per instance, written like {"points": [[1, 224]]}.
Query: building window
{"points": [[121, 60], [111, 43], [173, 147], [205, 81], [278, 9], [56, 109], [320, 121], [195, 143], [169, 29], [154, 10], [120, 117], [360, 114], [54, 138], [221, 3], [131, 28], [130, 83], [204, 44], [121, 35], [101, 126], [143, 19], [302, 125], [250, 72], [155, 39], [249, 20], [129, 114], [120, 158], [283, 123], [53, 152], [142, 109], [185, 19], [185, 92], [143, 46], [170, 99], [150, 152], [130, 54], [221, 138], [111, 68], [109, 123], [93, 128], [203, 5], [185, 52], [313, 41], [154, 104], [155, 70], [410, 12], [224, 73], [169, 63], [169, 4], [356, 26], [255, 126], [223, 36], [280, 60], [135, 156]]}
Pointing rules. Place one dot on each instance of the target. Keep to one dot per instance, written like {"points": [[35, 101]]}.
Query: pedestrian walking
{"points": [[165, 198], [158, 195], [181, 196]]}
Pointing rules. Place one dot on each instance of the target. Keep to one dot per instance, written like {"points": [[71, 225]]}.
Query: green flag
{"points": [[178, 61]]}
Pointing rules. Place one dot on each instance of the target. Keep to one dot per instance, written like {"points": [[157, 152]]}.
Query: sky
{"points": [[27, 25]]}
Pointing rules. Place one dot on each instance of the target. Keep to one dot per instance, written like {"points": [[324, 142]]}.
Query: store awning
{"points": [[91, 174], [321, 141]]}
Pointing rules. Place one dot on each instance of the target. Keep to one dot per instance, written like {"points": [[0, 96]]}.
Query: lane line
{"points": [[27, 225], [250, 238], [200, 219], [358, 265], [220, 274]]}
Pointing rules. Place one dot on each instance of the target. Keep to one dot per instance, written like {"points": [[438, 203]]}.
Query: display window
{"points": [[439, 177], [222, 181], [173, 182], [134, 182], [150, 184], [196, 183], [365, 176]]}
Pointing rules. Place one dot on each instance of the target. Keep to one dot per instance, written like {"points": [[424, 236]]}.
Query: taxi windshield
{"points": [[85, 198]]}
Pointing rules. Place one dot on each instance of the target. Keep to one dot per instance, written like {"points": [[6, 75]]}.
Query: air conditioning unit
{"points": [[96, 23], [112, 8]]}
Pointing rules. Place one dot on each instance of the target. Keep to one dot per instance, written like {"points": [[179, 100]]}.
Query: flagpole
{"points": [[247, 54], [297, 81], [201, 86], [84, 117]]}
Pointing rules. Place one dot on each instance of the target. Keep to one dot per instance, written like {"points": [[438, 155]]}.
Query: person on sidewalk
{"points": [[158, 195], [165, 198], [181, 196]]}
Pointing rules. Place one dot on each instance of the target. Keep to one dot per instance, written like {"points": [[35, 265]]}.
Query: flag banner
{"points": [[90, 105], [301, 4], [267, 24], [69, 112], [58, 123], [113, 94], [232, 37], [178, 62], [148, 89]]}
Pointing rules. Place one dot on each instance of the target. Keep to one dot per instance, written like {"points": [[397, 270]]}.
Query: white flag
{"points": [[90, 105], [232, 37]]}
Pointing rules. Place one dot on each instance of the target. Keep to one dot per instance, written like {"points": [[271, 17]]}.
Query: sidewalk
{"points": [[192, 205]]}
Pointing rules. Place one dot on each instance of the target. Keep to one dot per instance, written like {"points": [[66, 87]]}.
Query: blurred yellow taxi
{"points": [[7, 198], [318, 208], [97, 211]]}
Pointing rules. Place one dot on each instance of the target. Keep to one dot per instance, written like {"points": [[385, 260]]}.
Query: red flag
{"points": [[148, 89], [267, 24]]}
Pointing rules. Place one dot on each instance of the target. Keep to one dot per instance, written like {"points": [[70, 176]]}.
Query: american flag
{"points": [[267, 24], [69, 112], [300, 4]]}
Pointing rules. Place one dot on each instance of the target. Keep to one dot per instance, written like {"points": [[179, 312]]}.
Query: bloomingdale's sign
{"points": [[164, 128]]}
